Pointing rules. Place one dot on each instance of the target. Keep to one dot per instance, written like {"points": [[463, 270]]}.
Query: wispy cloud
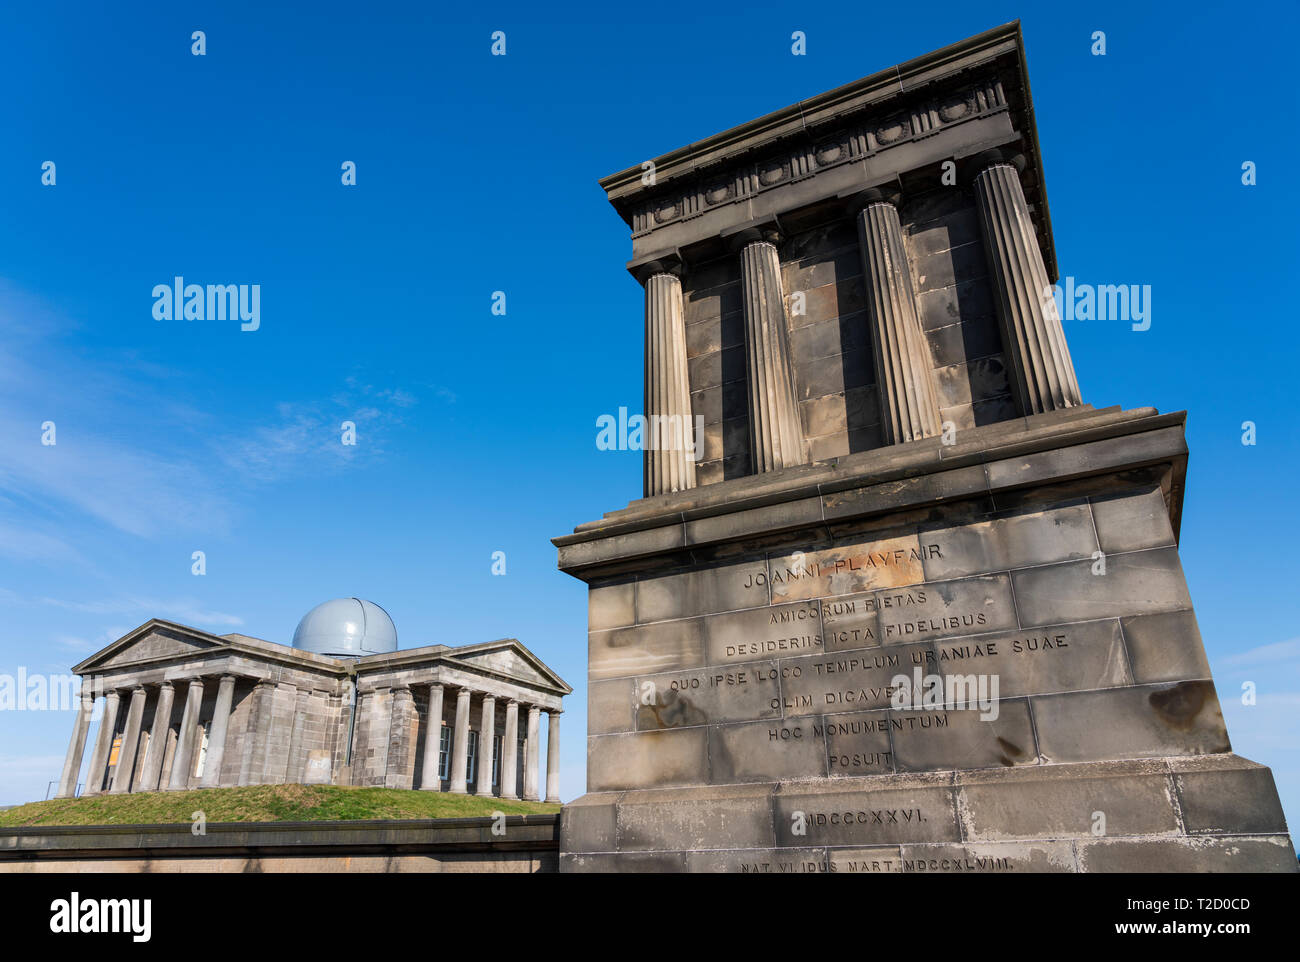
{"points": [[135, 454], [1282, 651], [185, 610]]}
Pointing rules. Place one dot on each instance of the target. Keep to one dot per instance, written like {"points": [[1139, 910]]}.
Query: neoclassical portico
{"points": [[185, 709], [789, 346]]}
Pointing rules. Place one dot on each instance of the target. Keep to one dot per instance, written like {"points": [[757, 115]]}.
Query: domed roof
{"points": [[346, 628]]}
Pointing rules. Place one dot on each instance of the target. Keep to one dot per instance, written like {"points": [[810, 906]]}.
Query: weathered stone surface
{"points": [[766, 751], [970, 606], [965, 739], [663, 646], [989, 858], [1129, 521], [775, 631], [676, 820], [647, 760], [1026, 538], [1235, 853], [1144, 721], [1134, 798], [887, 563], [1165, 647], [1140, 582], [611, 706], [704, 591], [612, 606], [706, 696], [761, 861], [920, 812], [1241, 799], [846, 681], [1073, 657]]}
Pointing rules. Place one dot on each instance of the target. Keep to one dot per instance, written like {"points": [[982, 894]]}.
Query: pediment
{"points": [[153, 644], [510, 659]]}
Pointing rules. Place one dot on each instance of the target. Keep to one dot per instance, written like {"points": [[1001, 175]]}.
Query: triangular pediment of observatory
{"points": [[146, 644], [505, 659]]}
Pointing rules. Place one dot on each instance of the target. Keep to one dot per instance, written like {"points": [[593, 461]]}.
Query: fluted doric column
{"points": [[909, 409], [157, 747], [553, 756], [130, 743], [775, 435], [460, 744], [510, 752], [486, 739], [217, 737], [670, 443], [430, 779], [1041, 371], [183, 762], [532, 760], [77, 744], [103, 745]]}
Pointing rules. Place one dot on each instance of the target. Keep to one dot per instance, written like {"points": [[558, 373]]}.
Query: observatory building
{"points": [[343, 705]]}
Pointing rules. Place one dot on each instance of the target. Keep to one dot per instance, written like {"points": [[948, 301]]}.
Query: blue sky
{"points": [[477, 433]]}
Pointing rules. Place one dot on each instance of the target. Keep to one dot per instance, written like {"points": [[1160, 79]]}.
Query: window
{"points": [[471, 766], [496, 760], [444, 753]]}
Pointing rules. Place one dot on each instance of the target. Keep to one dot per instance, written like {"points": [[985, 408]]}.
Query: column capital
{"points": [[663, 262], [435, 686], [756, 232], [859, 200], [973, 166], [166, 683]]}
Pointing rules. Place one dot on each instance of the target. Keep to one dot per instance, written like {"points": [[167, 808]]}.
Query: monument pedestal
{"points": [[971, 657]]}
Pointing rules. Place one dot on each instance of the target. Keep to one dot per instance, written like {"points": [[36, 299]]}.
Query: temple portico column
{"points": [[77, 744], [533, 755], [157, 747], [183, 762], [103, 745], [553, 756], [130, 743], [430, 779], [1041, 371], [217, 737], [669, 435], [909, 409], [460, 744], [486, 741], [775, 434], [510, 752]]}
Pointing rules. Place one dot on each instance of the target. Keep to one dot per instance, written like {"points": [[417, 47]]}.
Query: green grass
{"points": [[261, 803]]}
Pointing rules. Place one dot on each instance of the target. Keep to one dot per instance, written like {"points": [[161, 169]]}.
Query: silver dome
{"points": [[346, 628]]}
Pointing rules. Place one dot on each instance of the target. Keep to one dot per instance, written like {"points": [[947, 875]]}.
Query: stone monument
{"points": [[895, 598]]}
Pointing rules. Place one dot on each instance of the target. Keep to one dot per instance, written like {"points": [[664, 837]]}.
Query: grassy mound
{"points": [[261, 803]]}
